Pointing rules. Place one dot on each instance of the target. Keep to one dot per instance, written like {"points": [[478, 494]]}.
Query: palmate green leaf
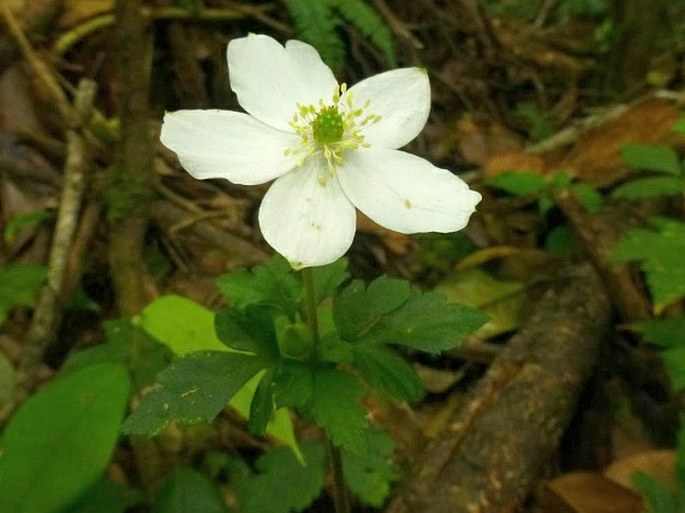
{"points": [[370, 474], [427, 322], [358, 308], [383, 369], [650, 187], [651, 157], [187, 491], [194, 388], [293, 384], [272, 284], [519, 183], [660, 253], [663, 332], [335, 407], [282, 483], [19, 286], [251, 330], [58, 443]]}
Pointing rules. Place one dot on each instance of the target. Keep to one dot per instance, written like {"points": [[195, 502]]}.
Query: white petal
{"points": [[270, 80], [226, 144], [402, 98], [308, 223], [406, 193]]}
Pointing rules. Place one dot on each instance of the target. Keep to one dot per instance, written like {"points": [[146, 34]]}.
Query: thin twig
{"points": [[47, 314], [40, 68]]}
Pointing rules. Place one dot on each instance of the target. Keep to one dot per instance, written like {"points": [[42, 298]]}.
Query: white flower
{"points": [[330, 149]]}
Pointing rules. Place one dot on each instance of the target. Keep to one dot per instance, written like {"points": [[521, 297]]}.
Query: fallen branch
{"points": [[495, 448]]}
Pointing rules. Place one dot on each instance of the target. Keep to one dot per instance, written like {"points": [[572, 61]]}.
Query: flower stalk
{"points": [[340, 496]]}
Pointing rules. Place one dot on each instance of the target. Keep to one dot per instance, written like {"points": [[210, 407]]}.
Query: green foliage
{"points": [[538, 120], [387, 312], [370, 474], [527, 183], [125, 342], [193, 389], [648, 157], [106, 497], [272, 284], [188, 490], [669, 335], [656, 159], [660, 253], [281, 483], [19, 286], [58, 443], [335, 407], [317, 24], [14, 225], [265, 346], [660, 498]]}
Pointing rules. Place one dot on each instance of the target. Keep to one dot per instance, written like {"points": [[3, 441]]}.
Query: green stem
{"points": [[340, 496]]}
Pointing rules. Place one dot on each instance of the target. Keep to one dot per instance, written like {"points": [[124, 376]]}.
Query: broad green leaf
{"points": [[194, 388], [501, 300], [19, 286], [650, 187], [369, 474], [657, 495], [335, 407], [106, 497], [426, 322], [282, 483], [193, 329], [651, 157], [660, 253], [358, 309], [272, 284], [384, 369], [589, 197], [181, 324], [250, 329], [663, 332], [188, 491], [293, 384], [519, 183], [58, 443], [328, 278]]}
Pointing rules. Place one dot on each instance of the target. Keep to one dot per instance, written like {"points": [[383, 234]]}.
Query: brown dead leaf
{"points": [[77, 11], [397, 243], [587, 492], [596, 158], [660, 464]]}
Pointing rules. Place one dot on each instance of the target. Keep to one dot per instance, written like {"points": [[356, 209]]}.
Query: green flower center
{"points": [[327, 127], [330, 129]]}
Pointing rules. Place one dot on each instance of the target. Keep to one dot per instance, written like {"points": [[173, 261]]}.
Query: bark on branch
{"points": [[495, 448]]}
